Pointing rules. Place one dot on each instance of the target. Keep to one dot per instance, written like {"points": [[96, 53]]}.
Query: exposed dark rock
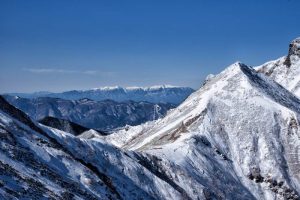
{"points": [[152, 163], [65, 125], [202, 140], [277, 187], [294, 50]]}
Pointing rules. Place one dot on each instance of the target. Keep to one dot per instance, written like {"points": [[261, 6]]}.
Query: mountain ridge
{"points": [[67, 126], [234, 115], [103, 115], [154, 94], [285, 70]]}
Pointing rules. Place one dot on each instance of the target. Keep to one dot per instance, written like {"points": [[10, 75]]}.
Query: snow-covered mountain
{"points": [[237, 137], [154, 94], [286, 70], [102, 115], [39, 162]]}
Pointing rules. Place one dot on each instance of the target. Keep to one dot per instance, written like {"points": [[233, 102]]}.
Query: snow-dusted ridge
{"points": [[155, 87], [248, 80], [240, 127], [153, 94], [37, 160]]}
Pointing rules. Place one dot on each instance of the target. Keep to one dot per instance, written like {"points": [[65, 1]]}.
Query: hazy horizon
{"points": [[96, 88]]}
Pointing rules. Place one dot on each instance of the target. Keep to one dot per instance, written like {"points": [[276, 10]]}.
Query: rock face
{"points": [[285, 70], [294, 50], [154, 94], [102, 115]]}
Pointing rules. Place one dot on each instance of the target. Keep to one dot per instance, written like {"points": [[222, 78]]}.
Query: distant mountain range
{"points": [[102, 115], [154, 94]]}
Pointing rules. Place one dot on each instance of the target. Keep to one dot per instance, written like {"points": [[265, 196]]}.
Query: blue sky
{"points": [[57, 45]]}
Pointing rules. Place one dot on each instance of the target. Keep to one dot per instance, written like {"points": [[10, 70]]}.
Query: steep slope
{"points": [[285, 70], [41, 162], [102, 115], [238, 135], [36, 165], [154, 94], [45, 162]]}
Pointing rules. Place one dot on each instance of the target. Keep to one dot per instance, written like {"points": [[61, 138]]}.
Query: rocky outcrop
{"points": [[294, 50]]}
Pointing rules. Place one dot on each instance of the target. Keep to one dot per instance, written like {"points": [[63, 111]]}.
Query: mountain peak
{"points": [[294, 47], [234, 68], [294, 52], [285, 70]]}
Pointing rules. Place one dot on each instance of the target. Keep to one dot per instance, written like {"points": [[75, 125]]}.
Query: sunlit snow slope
{"points": [[237, 135]]}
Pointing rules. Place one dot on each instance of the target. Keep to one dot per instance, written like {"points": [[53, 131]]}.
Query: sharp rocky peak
{"points": [[294, 52], [231, 70], [294, 48]]}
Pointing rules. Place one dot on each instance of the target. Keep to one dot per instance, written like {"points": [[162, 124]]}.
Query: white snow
{"points": [[244, 115]]}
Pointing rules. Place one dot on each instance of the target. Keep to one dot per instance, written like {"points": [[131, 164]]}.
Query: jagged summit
{"points": [[285, 70], [238, 82], [234, 68], [241, 124], [294, 48], [294, 52]]}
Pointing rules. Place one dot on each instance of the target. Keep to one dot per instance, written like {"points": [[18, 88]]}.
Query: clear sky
{"points": [[56, 45]]}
